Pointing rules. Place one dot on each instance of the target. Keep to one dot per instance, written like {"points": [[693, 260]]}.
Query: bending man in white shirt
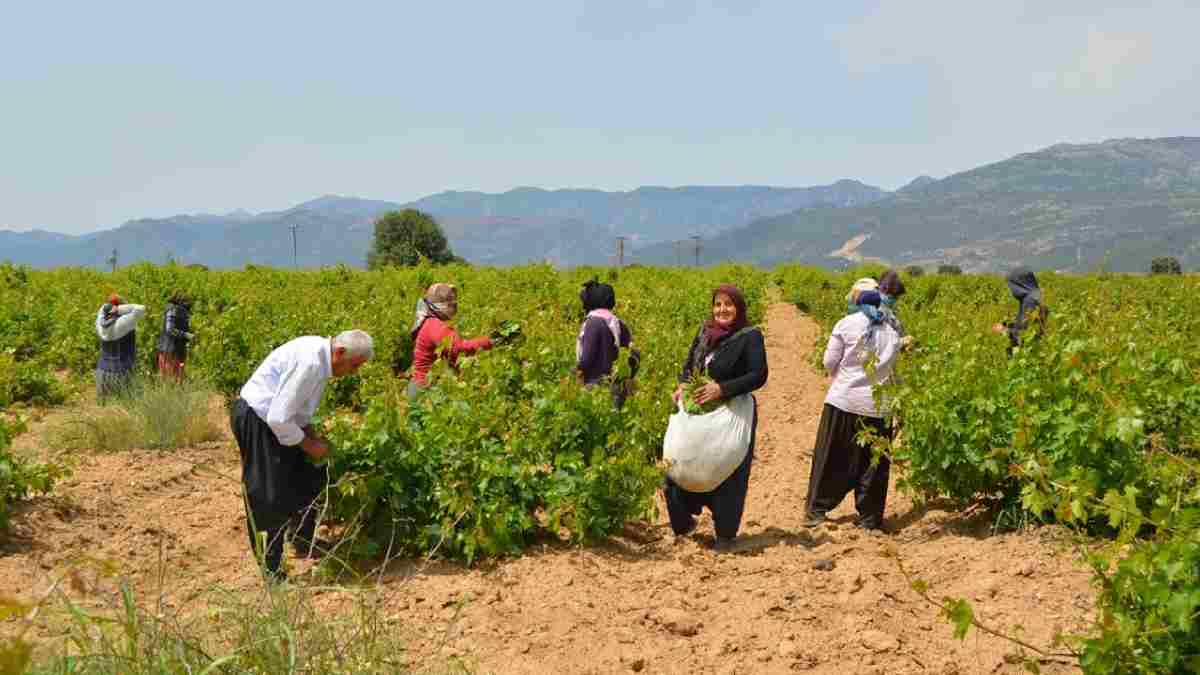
{"points": [[271, 421]]}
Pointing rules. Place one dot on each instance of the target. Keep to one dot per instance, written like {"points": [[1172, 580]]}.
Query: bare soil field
{"points": [[788, 599]]}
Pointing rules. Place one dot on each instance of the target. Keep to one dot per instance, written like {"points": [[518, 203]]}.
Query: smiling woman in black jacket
{"points": [[732, 353]]}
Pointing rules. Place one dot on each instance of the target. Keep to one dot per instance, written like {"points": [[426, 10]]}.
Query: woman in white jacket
{"points": [[116, 324], [862, 341]]}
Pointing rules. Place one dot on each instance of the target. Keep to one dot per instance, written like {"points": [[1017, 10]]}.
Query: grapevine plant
{"points": [[1095, 426], [507, 449], [510, 447]]}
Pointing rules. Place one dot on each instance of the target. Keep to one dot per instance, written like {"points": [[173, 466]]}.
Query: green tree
{"points": [[402, 238], [914, 270], [949, 269], [1166, 265]]}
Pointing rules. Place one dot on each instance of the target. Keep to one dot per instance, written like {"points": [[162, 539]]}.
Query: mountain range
{"points": [[1116, 205], [1119, 204], [565, 227]]}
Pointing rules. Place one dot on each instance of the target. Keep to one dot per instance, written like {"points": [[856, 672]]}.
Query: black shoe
{"points": [[870, 528], [813, 519], [724, 544], [687, 530]]}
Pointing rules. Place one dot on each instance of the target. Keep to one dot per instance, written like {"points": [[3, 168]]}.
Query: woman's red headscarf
{"points": [[714, 331]]}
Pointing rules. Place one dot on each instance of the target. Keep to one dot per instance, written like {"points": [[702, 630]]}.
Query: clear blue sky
{"points": [[120, 110]]}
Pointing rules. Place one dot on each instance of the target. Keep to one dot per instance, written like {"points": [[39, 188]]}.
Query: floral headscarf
{"points": [[441, 301]]}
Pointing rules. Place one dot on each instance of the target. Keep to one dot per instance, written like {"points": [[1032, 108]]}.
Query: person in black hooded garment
{"points": [[601, 337], [1024, 287]]}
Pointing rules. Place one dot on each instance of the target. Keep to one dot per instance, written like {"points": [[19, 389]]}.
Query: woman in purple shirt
{"points": [[600, 340], [602, 334]]}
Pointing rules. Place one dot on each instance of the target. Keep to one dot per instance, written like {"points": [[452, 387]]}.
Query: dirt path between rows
{"points": [[640, 603]]}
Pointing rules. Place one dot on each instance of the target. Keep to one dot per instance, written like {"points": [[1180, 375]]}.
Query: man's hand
{"points": [[315, 447], [999, 328]]}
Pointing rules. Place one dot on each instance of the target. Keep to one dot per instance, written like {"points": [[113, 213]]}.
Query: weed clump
{"points": [[151, 413]]}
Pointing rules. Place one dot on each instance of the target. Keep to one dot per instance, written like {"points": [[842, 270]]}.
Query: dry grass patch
{"points": [[155, 413]]}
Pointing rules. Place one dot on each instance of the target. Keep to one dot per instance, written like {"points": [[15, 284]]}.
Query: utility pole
{"points": [[696, 238], [113, 260], [621, 251], [678, 260], [293, 228]]}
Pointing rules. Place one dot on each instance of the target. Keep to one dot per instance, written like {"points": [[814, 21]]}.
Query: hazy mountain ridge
{"points": [[1119, 203], [1068, 206], [567, 227]]}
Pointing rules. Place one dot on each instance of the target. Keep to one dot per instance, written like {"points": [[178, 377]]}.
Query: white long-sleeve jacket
{"points": [[128, 316], [846, 358]]}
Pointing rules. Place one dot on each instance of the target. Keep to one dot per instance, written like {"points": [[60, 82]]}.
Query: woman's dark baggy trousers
{"points": [[727, 502], [840, 465], [281, 486]]}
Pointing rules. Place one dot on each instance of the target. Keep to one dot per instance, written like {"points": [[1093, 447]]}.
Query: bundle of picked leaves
{"points": [[507, 331], [627, 364], [689, 396]]}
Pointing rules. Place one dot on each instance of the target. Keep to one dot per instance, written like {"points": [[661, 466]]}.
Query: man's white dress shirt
{"points": [[286, 389]]}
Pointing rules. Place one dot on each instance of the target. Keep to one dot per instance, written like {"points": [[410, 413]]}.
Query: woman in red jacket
{"points": [[431, 329]]}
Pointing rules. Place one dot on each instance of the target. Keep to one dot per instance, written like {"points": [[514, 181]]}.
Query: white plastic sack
{"points": [[703, 450]]}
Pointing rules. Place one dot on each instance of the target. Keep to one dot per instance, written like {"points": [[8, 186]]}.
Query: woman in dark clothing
{"points": [[600, 340], [175, 336], [732, 353], [891, 288], [890, 285], [1024, 287], [602, 334]]}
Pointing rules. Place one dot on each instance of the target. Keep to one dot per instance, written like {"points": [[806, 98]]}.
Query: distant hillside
{"points": [[331, 230], [567, 227], [918, 183], [1120, 203]]}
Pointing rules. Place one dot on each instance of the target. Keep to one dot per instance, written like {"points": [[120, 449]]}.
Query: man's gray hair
{"points": [[357, 344]]}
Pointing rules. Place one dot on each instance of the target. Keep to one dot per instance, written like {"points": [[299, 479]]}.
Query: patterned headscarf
{"points": [[441, 301], [864, 284], [868, 304], [109, 310]]}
